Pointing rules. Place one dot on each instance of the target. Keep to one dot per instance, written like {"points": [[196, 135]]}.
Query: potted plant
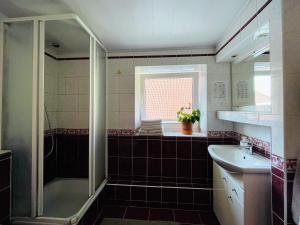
{"points": [[188, 119]]}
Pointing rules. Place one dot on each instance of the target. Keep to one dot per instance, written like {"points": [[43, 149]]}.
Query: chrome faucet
{"points": [[246, 145]]}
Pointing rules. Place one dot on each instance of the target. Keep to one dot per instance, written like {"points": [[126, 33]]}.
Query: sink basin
{"points": [[233, 159]]}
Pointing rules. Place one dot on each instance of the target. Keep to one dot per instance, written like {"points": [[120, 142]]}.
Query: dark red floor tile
{"points": [[137, 213], [209, 218], [114, 211], [188, 217], [161, 215]]}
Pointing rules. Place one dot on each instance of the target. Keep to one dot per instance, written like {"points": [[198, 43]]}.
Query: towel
{"points": [[296, 194], [151, 121], [151, 127]]}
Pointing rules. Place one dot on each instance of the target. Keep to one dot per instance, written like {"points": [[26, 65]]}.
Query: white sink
{"points": [[233, 159]]}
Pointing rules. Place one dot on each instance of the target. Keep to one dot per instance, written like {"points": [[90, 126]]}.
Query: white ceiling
{"points": [[141, 24]]}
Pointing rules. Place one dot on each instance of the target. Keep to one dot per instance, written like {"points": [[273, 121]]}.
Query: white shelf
{"points": [[255, 118]]}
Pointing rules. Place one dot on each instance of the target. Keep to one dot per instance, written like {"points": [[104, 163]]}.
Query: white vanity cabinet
{"points": [[241, 199]]}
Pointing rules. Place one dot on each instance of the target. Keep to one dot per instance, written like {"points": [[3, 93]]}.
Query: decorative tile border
{"points": [[228, 134], [127, 132], [121, 132], [277, 161], [66, 131], [291, 165], [261, 147]]}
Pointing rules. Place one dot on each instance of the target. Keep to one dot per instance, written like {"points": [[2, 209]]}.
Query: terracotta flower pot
{"points": [[186, 128]]}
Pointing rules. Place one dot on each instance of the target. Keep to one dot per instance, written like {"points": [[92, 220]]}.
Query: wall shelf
{"points": [[255, 118]]}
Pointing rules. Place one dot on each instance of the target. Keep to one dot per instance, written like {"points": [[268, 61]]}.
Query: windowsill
{"points": [[179, 134]]}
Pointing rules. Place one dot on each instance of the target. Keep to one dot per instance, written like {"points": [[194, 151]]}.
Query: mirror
{"points": [[251, 83]]}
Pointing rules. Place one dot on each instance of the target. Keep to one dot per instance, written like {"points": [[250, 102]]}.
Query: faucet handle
{"points": [[244, 142]]}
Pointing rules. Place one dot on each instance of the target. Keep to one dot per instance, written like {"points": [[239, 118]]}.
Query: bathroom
{"points": [[96, 132]]}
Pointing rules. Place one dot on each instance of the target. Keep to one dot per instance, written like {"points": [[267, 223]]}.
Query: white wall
{"points": [[260, 132], [67, 93], [121, 86], [51, 84]]}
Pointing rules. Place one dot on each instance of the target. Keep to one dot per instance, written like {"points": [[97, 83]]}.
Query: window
{"points": [[163, 97], [160, 92], [262, 83], [163, 94]]}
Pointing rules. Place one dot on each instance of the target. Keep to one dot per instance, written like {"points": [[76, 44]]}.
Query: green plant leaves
{"points": [[185, 117]]}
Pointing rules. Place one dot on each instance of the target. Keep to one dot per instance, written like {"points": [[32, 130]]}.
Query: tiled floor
{"points": [[113, 221], [183, 217]]}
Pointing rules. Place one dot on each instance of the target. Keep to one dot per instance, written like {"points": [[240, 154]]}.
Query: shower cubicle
{"points": [[53, 116]]}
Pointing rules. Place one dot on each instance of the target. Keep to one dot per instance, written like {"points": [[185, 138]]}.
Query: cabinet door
{"points": [[220, 199], [236, 191], [236, 211]]}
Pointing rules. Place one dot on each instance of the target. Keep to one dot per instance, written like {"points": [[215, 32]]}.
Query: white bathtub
{"points": [[64, 197]]}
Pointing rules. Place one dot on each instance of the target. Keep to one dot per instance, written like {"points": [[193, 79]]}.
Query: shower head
{"points": [[54, 44]]}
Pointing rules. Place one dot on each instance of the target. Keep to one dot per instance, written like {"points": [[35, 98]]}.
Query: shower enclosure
{"points": [[53, 116]]}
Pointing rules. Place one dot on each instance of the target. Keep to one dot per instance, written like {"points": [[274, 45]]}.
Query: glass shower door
{"points": [[99, 113], [18, 111]]}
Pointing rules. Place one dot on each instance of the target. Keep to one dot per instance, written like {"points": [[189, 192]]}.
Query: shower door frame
{"points": [[37, 183]]}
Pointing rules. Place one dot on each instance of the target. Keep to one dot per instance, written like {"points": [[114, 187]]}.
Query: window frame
{"points": [[195, 91]]}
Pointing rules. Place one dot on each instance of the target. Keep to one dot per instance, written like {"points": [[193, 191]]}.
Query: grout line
{"points": [[5, 188], [277, 216], [278, 177], [148, 219], [125, 212], [154, 186]]}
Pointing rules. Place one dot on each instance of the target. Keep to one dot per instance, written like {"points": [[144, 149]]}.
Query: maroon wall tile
{"points": [[278, 196], [113, 146], [5, 221], [154, 149], [154, 167], [199, 150], [169, 195], [277, 220], [140, 148], [139, 167], [4, 203], [185, 196], [184, 168], [168, 149], [122, 193], [125, 147], [277, 172], [138, 194], [113, 165], [167, 161], [202, 197], [169, 168], [70, 156], [184, 149], [154, 194], [125, 166], [199, 168], [289, 201], [5, 173]]}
